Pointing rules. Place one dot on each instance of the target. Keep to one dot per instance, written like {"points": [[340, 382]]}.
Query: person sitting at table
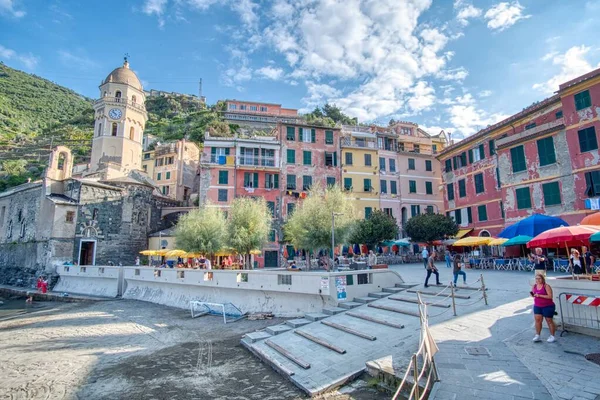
{"points": [[202, 262], [576, 262]]}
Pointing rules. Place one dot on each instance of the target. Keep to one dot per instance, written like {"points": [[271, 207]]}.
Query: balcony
{"points": [[121, 101], [358, 143], [252, 161]]}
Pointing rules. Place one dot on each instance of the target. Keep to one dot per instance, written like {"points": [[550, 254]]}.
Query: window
{"points": [[348, 158], [469, 215], [458, 216], [412, 186], [523, 198], [448, 165], [222, 195], [415, 210], [290, 208], [306, 182], [272, 181], [367, 160], [169, 160], [429, 209], [223, 177], [428, 188], [551, 194], [434, 148], [290, 133], [583, 100], [492, 145], [392, 165], [114, 128], [158, 176], [146, 156], [502, 209], [166, 190], [131, 133], [383, 186], [382, 163], [530, 126], [232, 106], [393, 187], [367, 185], [416, 148], [587, 139], [559, 114], [168, 175], [347, 183], [95, 214], [368, 212], [450, 191], [307, 157], [328, 137], [272, 235], [159, 162], [517, 156], [482, 213], [291, 156], [330, 159], [251, 180], [479, 188], [253, 108], [400, 146], [546, 151], [118, 95], [498, 177], [330, 181], [308, 135], [592, 183], [263, 109], [411, 163], [388, 211], [69, 217], [428, 165], [99, 129], [462, 188], [477, 154], [271, 207]]}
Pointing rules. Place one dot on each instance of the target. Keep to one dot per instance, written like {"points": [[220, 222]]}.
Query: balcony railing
{"points": [[257, 161], [121, 100], [365, 144]]}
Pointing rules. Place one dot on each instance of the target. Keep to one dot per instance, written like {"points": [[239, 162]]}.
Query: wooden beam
{"points": [[277, 365], [349, 330], [415, 301], [394, 309], [287, 354], [373, 319], [320, 341]]}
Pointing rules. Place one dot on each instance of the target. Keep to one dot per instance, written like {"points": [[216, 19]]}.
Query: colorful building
{"points": [[255, 114]]}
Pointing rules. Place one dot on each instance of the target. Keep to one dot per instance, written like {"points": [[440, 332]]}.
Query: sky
{"points": [[457, 65]]}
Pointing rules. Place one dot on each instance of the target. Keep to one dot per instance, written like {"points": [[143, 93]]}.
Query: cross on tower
{"points": [[126, 57]]}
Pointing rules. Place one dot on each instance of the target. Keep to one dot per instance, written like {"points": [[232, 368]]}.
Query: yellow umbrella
{"points": [[148, 252], [255, 252], [175, 253], [192, 255], [497, 242], [472, 241], [224, 252]]}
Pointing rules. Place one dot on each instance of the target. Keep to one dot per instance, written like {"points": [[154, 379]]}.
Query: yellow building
{"points": [[360, 168], [148, 162]]}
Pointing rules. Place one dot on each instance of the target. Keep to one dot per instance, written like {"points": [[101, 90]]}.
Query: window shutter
{"points": [[255, 179], [299, 134], [313, 136], [463, 158], [213, 150], [276, 181], [481, 151], [471, 156], [454, 162], [335, 158], [227, 151], [469, 215]]}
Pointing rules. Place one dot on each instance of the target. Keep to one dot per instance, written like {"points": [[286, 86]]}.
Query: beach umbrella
{"points": [[148, 252], [175, 253], [595, 237], [532, 226], [285, 252], [356, 249], [255, 252], [497, 242], [472, 241], [592, 219], [395, 248], [517, 240], [387, 243], [564, 236], [402, 242]]}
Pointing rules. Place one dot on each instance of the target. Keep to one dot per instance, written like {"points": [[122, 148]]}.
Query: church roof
{"points": [[124, 75]]}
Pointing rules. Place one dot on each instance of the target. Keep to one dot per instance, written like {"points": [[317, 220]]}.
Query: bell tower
{"points": [[120, 119]]}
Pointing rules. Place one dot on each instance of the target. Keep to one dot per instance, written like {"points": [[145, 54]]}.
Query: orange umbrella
{"points": [[285, 252], [592, 219], [564, 236]]}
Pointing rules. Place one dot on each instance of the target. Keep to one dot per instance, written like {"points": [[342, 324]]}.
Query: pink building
{"points": [[258, 114]]}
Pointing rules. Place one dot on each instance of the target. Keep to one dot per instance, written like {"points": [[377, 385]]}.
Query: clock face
{"points": [[115, 113]]}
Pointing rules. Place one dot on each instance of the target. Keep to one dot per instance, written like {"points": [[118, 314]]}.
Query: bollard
{"points": [[416, 376], [483, 290], [453, 300]]}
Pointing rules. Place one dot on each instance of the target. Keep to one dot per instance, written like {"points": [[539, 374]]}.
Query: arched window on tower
{"points": [[118, 95], [114, 128], [100, 129], [133, 99], [131, 133], [61, 161], [104, 94]]}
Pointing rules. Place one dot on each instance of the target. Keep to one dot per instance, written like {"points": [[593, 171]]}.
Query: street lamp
{"points": [[333, 215]]}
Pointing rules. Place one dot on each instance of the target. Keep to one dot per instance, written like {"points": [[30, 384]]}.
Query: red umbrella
{"points": [[564, 236], [285, 252]]}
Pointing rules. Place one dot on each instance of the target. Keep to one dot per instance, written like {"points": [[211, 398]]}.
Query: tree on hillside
{"points": [[14, 167], [202, 231], [249, 225], [329, 115], [375, 229], [429, 227], [309, 227]]}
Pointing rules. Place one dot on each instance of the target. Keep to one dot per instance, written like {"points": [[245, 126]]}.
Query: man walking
{"points": [[588, 260], [431, 269], [425, 255]]}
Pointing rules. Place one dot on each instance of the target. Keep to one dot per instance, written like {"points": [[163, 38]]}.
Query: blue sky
{"points": [[457, 65]]}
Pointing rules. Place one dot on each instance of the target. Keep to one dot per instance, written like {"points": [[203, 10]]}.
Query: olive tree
{"points": [[248, 226], [201, 231]]}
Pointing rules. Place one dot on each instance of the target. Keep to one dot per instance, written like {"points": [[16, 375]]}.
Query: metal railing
{"points": [[579, 311], [122, 100], [257, 161]]}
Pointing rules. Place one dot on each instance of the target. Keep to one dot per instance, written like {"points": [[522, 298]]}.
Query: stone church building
{"points": [[102, 215]]}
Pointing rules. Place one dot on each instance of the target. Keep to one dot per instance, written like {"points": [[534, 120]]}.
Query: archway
{"points": [[115, 127], [131, 133]]}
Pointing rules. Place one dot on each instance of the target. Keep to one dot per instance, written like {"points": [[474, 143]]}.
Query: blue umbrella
{"points": [[532, 226], [356, 249]]}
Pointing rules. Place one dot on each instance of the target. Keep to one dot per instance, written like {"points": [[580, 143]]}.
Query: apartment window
{"points": [[251, 180], [348, 158], [583, 100], [291, 156], [330, 181], [469, 215], [168, 175], [347, 183], [392, 165], [271, 207], [223, 177], [502, 209], [166, 190], [530, 126], [169, 160], [492, 146], [272, 181], [393, 187], [592, 183], [146, 156], [479, 188], [415, 210], [242, 107], [307, 157], [400, 146], [383, 186], [523, 198], [367, 185], [222, 195], [458, 216], [477, 154], [388, 211], [253, 108], [428, 188], [546, 151], [411, 163], [290, 208], [263, 109], [308, 135], [232, 106], [551, 194], [498, 177], [428, 165], [158, 176], [482, 213], [145, 168], [450, 191], [412, 186], [434, 148], [517, 156], [368, 212], [306, 182], [159, 162], [328, 137], [448, 165], [330, 159], [69, 218], [462, 188], [416, 148], [587, 139], [290, 135], [429, 209], [367, 160], [382, 163], [559, 114]]}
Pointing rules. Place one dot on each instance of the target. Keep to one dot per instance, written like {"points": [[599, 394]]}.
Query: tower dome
{"points": [[124, 75]]}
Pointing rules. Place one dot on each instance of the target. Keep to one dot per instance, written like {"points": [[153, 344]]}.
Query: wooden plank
{"points": [[349, 330], [394, 309], [276, 364], [320, 341], [415, 301], [456, 296], [287, 354], [376, 320]]}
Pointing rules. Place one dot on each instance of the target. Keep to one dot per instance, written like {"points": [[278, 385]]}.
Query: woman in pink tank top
{"points": [[543, 307]]}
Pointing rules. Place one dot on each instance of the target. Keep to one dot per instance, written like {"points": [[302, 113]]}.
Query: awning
{"points": [[462, 233], [472, 241]]}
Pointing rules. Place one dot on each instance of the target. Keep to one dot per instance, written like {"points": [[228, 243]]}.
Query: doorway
{"points": [[87, 252], [271, 259]]}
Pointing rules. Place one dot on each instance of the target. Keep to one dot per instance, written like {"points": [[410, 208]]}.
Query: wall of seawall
{"points": [[89, 280]]}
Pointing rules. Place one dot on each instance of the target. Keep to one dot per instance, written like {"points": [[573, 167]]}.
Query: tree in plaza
{"points": [[249, 225], [202, 231], [429, 227], [309, 227], [377, 228]]}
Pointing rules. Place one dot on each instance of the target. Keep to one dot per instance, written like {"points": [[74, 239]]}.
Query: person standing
{"points": [[589, 260], [372, 260], [425, 255], [539, 262], [575, 262], [431, 269], [543, 307], [448, 259], [137, 260], [457, 270]]}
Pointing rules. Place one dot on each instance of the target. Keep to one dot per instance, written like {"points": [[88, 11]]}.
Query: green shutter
{"points": [[469, 215], [335, 163], [479, 188], [368, 212], [463, 159], [546, 151], [313, 136], [227, 151], [307, 158], [347, 183], [481, 151], [393, 187], [448, 165], [492, 145], [450, 191], [551, 193], [328, 137], [255, 179], [455, 162], [498, 177], [275, 181], [213, 151], [367, 185], [299, 134], [428, 188], [523, 198], [482, 213], [383, 185], [412, 186], [517, 156], [471, 156], [462, 189], [290, 133], [223, 177]]}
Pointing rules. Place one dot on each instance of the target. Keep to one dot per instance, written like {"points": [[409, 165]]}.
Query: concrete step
{"points": [[393, 289], [379, 295], [256, 336], [348, 305], [298, 322], [315, 316], [406, 285], [277, 329], [333, 310], [364, 300]]}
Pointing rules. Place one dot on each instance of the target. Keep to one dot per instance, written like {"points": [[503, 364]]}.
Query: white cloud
{"points": [[485, 93], [317, 94], [156, 7], [572, 64], [468, 119], [245, 9], [8, 7], [270, 72], [423, 97], [504, 15], [468, 11], [79, 61], [457, 74], [28, 60], [199, 4], [550, 55]]}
